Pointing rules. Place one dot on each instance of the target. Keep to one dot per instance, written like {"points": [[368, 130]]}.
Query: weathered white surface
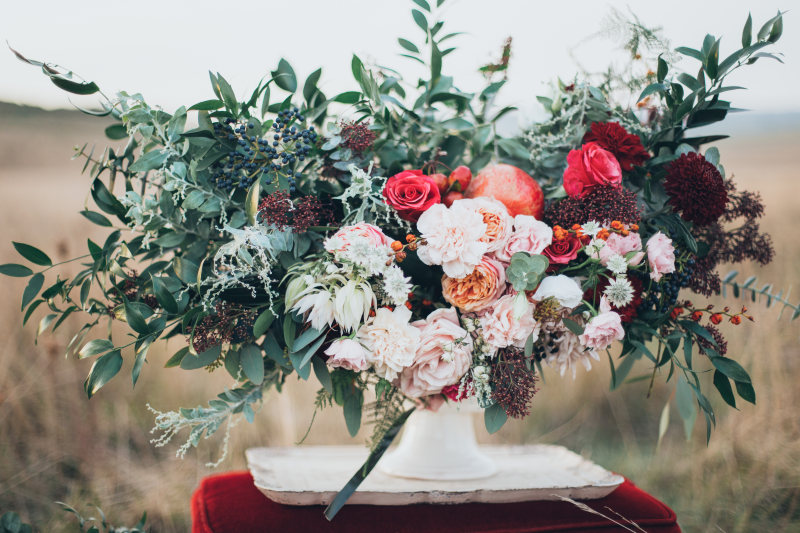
{"points": [[310, 475]]}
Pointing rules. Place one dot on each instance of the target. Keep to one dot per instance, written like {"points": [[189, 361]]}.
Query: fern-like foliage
{"points": [[388, 407]]}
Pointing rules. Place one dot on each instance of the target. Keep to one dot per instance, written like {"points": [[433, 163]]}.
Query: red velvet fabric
{"points": [[231, 503]]}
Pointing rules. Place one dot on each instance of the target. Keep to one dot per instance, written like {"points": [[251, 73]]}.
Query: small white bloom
{"points": [[594, 247], [396, 285], [617, 264], [591, 228], [619, 292], [563, 288]]}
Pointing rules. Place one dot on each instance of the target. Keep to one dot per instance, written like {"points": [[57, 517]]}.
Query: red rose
{"points": [[410, 193], [588, 167], [626, 147], [563, 251]]}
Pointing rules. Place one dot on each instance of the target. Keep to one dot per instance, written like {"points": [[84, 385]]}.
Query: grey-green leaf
{"points": [[103, 369], [32, 254], [252, 363]]}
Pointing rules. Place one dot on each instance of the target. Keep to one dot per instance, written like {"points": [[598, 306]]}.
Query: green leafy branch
{"points": [[763, 293]]}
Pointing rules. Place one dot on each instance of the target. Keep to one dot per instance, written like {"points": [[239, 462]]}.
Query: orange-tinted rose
{"points": [[478, 290]]}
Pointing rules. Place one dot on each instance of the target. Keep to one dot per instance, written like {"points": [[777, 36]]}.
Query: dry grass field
{"points": [[56, 445]]}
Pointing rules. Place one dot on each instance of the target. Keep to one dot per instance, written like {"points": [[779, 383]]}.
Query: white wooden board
{"points": [[312, 475]]}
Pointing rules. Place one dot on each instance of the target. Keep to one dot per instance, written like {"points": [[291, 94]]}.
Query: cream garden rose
{"points": [[391, 341], [452, 239], [443, 357]]}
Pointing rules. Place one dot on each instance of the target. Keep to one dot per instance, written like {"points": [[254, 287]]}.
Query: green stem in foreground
{"points": [[362, 473]]}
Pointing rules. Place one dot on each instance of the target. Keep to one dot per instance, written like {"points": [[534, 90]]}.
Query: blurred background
{"points": [[56, 445]]}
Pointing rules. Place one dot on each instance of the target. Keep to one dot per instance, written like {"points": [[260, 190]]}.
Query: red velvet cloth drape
{"points": [[231, 503]]}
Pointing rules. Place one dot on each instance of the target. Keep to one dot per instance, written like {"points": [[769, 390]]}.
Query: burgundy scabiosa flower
{"points": [[696, 189], [626, 147], [627, 312]]}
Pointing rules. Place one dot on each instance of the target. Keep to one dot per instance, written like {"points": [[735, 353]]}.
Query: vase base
{"points": [[475, 466]]}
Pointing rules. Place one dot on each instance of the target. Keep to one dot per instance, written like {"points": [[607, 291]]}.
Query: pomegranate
{"points": [[451, 197], [511, 186], [461, 175], [441, 182]]}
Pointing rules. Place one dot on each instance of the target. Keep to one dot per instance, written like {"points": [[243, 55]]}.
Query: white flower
{"points": [[391, 341], [591, 228], [594, 247], [563, 288], [320, 307], [452, 239], [617, 264], [353, 302], [571, 352], [396, 285], [619, 292]]}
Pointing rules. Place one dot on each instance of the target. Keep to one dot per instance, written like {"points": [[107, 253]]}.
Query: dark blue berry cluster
{"points": [[664, 296], [278, 151]]}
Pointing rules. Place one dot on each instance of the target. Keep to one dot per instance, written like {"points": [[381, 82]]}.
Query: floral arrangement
{"points": [[390, 240]]}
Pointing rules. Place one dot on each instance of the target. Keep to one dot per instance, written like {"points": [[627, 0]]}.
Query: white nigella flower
{"points": [[591, 228], [352, 302], [617, 264], [619, 292], [396, 285]]}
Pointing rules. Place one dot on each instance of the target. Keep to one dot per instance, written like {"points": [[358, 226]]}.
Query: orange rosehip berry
{"points": [[411, 296], [736, 320], [408, 305], [634, 227], [697, 315], [427, 303], [397, 246], [410, 238], [371, 312], [400, 256], [744, 309], [676, 312], [576, 227], [616, 224], [716, 318], [625, 233]]}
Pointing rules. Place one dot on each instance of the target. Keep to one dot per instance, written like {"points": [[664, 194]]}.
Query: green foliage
{"points": [[526, 271]]}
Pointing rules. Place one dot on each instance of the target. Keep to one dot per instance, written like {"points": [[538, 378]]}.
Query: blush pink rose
{"points": [[617, 244], [478, 290], [443, 356], [603, 329], [348, 354], [588, 167], [411, 193], [500, 328], [342, 239], [495, 215], [529, 235], [660, 255]]}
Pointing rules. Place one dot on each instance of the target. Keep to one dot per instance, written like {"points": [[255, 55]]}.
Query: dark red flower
{"points": [[696, 189], [563, 251], [626, 147], [356, 135], [456, 392], [601, 204]]}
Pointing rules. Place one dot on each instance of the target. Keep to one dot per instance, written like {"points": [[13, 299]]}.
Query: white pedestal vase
{"points": [[439, 446]]}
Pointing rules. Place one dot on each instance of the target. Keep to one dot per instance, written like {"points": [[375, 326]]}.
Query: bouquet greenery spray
{"points": [[391, 241]]}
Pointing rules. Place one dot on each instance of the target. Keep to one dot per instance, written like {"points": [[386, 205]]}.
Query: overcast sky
{"points": [[164, 49]]}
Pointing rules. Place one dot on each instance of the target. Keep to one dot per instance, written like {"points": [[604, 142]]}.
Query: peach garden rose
{"points": [[478, 290]]}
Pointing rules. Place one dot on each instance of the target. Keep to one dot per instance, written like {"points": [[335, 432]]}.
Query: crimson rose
{"points": [[588, 167], [411, 193], [563, 251]]}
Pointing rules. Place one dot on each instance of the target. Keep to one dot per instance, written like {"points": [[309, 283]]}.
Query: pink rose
{"points": [[588, 167], [411, 194], [529, 235], [443, 356], [617, 244], [500, 327], [348, 354], [602, 330], [660, 255], [342, 239], [495, 216]]}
